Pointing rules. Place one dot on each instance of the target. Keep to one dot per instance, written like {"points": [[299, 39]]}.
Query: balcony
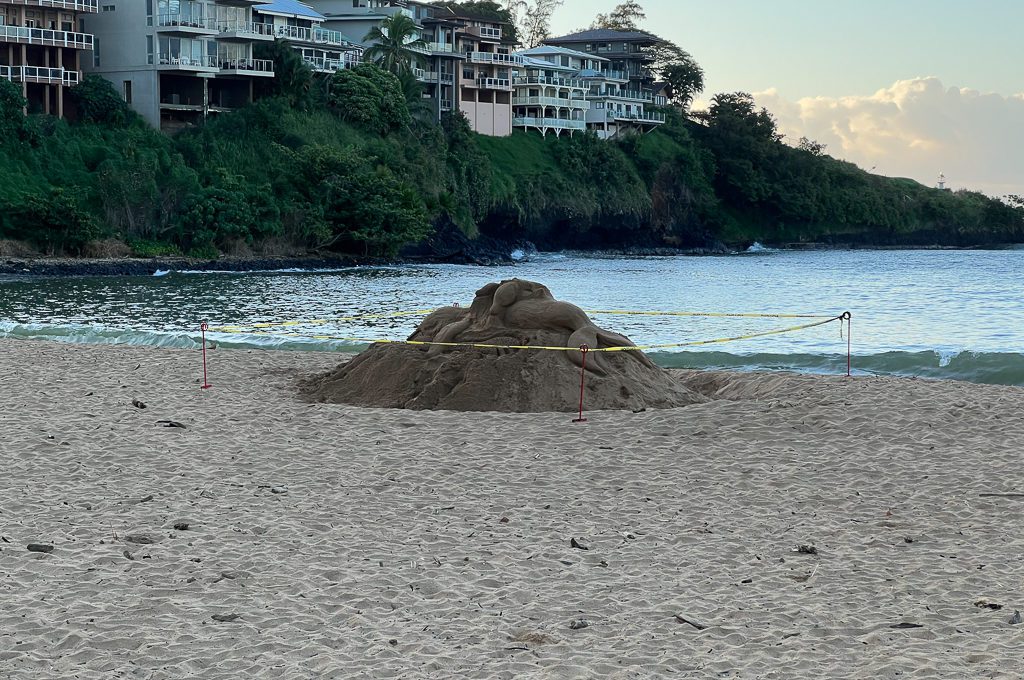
{"points": [[645, 97], [244, 30], [185, 24], [494, 83], [433, 76], [550, 123], [324, 65], [45, 36], [319, 36], [557, 82], [246, 67], [638, 117], [496, 58], [440, 48], [179, 62], [610, 75], [559, 102], [71, 5], [447, 104], [39, 74]]}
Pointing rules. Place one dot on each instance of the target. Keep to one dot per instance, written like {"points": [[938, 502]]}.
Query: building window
{"points": [[96, 51], [109, 8], [128, 91]]}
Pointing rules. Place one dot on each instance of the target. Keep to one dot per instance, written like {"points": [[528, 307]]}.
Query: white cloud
{"points": [[916, 128]]}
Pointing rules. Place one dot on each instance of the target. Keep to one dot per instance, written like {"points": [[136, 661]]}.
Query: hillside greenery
{"points": [[346, 165]]}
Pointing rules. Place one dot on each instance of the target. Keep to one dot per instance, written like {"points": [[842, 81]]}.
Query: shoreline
{"points": [[43, 266], [346, 542]]}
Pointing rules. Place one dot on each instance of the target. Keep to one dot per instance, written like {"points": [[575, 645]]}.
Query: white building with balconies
{"points": [[324, 50], [178, 61], [41, 46], [615, 64], [550, 95], [437, 61]]}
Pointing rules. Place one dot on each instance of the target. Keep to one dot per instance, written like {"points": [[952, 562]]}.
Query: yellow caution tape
{"points": [[708, 314], [632, 348]]}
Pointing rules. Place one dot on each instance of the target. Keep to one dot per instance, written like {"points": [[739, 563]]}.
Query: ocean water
{"points": [[942, 314]]}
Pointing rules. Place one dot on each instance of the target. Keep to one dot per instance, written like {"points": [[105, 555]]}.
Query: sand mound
{"points": [[512, 312]]}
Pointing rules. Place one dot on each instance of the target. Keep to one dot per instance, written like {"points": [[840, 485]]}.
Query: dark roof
{"points": [[604, 35]]}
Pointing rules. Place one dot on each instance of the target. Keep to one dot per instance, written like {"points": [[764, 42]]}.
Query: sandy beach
{"points": [[792, 527]]}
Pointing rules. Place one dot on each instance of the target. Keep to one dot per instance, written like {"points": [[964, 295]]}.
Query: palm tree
{"points": [[394, 40]]}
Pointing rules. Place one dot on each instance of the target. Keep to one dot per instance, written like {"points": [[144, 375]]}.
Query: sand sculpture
{"points": [[513, 312]]}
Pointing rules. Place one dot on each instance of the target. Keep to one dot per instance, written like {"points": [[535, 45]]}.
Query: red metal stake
{"points": [[203, 327], [583, 374], [849, 318]]}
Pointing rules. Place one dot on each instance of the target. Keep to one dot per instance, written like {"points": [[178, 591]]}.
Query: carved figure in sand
{"points": [[525, 310], [498, 378]]}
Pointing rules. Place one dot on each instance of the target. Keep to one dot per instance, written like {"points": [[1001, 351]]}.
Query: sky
{"points": [[907, 87]]}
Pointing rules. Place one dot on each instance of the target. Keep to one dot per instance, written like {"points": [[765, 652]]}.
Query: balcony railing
{"points": [[246, 28], [440, 47], [320, 36], [496, 58], [611, 75], [39, 74], [187, 21], [324, 65], [579, 104], [494, 83], [246, 64], [558, 82], [433, 76], [186, 61], [557, 123], [72, 5], [447, 104], [642, 117], [45, 36], [628, 96]]}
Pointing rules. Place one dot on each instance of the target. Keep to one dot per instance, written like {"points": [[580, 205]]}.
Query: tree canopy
{"points": [[626, 16]]}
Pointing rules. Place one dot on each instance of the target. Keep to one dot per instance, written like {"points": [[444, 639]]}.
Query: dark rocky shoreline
{"points": [[490, 253]]}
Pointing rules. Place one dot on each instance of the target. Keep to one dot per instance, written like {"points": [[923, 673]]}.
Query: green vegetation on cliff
{"points": [[347, 165]]}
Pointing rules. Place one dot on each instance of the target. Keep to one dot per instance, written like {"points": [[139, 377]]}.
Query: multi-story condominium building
{"points": [[626, 51], [177, 61], [437, 62], [41, 46], [620, 87], [324, 50], [548, 93], [485, 80]]}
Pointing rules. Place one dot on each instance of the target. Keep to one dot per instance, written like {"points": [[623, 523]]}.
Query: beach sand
{"points": [[393, 544]]}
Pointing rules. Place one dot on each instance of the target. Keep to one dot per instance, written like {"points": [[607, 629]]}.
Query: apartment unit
{"points": [[485, 80], [620, 80], [438, 60], [324, 50], [41, 46], [178, 61], [548, 94]]}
